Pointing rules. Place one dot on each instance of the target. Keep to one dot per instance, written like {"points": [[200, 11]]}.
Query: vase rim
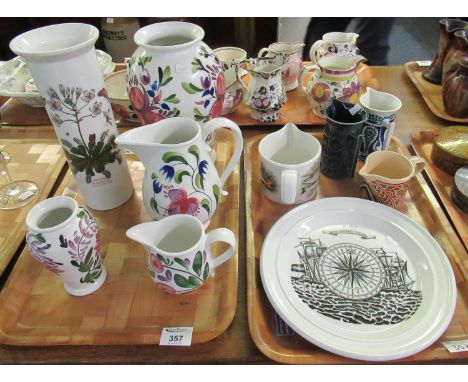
{"points": [[144, 36], [54, 40], [40, 209], [453, 24]]}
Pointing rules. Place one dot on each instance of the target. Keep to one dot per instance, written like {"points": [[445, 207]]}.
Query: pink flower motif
{"points": [[156, 264], [167, 288], [320, 92], [120, 110], [180, 203]]}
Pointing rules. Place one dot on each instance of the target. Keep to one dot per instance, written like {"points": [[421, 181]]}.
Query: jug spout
{"points": [[353, 61], [146, 234], [351, 37], [377, 101], [137, 140]]}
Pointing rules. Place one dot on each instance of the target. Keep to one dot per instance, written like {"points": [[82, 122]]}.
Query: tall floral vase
{"points": [[64, 66], [173, 73]]}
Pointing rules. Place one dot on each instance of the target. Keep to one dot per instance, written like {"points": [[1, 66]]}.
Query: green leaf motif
{"points": [[172, 156], [197, 263], [181, 281], [172, 99], [166, 77], [205, 203], [81, 214], [162, 259], [194, 282], [40, 237], [195, 151], [154, 204], [153, 176], [206, 271], [181, 262], [191, 88], [179, 174], [198, 181], [216, 192]]}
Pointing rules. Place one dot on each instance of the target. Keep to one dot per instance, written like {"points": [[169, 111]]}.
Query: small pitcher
{"points": [[230, 58], [334, 43], [378, 130], [292, 61], [387, 175], [180, 177], [333, 77], [179, 254], [265, 92]]}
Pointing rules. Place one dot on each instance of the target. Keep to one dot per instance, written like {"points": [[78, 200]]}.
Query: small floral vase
{"points": [[64, 66], [265, 93], [64, 238], [173, 73], [334, 43], [333, 77], [179, 254], [180, 176]]}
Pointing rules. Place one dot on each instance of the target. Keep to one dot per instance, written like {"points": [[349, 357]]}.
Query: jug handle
{"points": [[288, 186], [239, 78], [352, 168], [216, 123], [261, 53], [418, 164], [366, 189], [388, 134], [313, 51], [305, 69], [226, 236]]}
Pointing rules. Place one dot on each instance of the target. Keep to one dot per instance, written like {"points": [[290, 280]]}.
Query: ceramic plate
{"points": [[358, 279]]}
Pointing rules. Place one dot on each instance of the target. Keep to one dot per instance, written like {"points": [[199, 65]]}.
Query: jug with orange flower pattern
{"points": [[333, 77]]}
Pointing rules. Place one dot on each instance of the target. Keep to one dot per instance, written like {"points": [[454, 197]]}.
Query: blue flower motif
{"points": [[206, 83], [157, 187], [154, 85], [168, 171], [202, 167]]}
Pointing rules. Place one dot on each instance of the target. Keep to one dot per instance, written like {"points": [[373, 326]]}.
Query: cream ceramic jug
{"points": [[180, 177], [333, 77], [334, 43]]}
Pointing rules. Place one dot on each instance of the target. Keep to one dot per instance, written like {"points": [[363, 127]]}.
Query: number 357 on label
{"points": [[177, 336]]}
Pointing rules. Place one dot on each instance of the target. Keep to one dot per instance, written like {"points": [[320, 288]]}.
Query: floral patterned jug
{"points": [[173, 73], [180, 177], [265, 93], [333, 77]]}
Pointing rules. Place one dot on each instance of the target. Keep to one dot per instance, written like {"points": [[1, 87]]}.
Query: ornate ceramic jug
{"points": [[334, 43], [173, 73], [230, 57], [180, 177], [447, 29], [455, 89], [333, 77], [292, 61], [265, 92]]}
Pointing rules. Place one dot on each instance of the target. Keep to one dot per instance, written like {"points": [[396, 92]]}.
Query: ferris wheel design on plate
{"points": [[351, 271]]}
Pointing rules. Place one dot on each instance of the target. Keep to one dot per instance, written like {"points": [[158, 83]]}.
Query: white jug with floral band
{"points": [[180, 177]]}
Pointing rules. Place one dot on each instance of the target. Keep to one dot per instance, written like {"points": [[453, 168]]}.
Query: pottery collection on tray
{"points": [[338, 251]]}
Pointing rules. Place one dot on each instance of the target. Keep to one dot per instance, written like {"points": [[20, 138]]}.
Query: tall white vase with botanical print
{"points": [[64, 66]]}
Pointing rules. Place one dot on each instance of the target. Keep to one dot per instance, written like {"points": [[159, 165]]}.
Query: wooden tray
{"points": [[431, 93], [422, 142], [129, 308], [40, 161], [271, 335]]}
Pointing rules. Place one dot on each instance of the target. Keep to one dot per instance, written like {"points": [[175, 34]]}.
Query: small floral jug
{"points": [[334, 43], [179, 251], [64, 238], [292, 61], [265, 93], [333, 77], [180, 177]]}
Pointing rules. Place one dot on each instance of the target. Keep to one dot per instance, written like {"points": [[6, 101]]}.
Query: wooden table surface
{"points": [[235, 345]]}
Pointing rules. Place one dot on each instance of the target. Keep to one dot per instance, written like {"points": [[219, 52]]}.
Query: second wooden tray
{"points": [[431, 93], [269, 332], [422, 142], [129, 308]]}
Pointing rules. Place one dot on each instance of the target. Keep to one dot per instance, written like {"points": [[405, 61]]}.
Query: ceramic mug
{"points": [[387, 175], [64, 238], [230, 58], [179, 254], [289, 164], [378, 130]]}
